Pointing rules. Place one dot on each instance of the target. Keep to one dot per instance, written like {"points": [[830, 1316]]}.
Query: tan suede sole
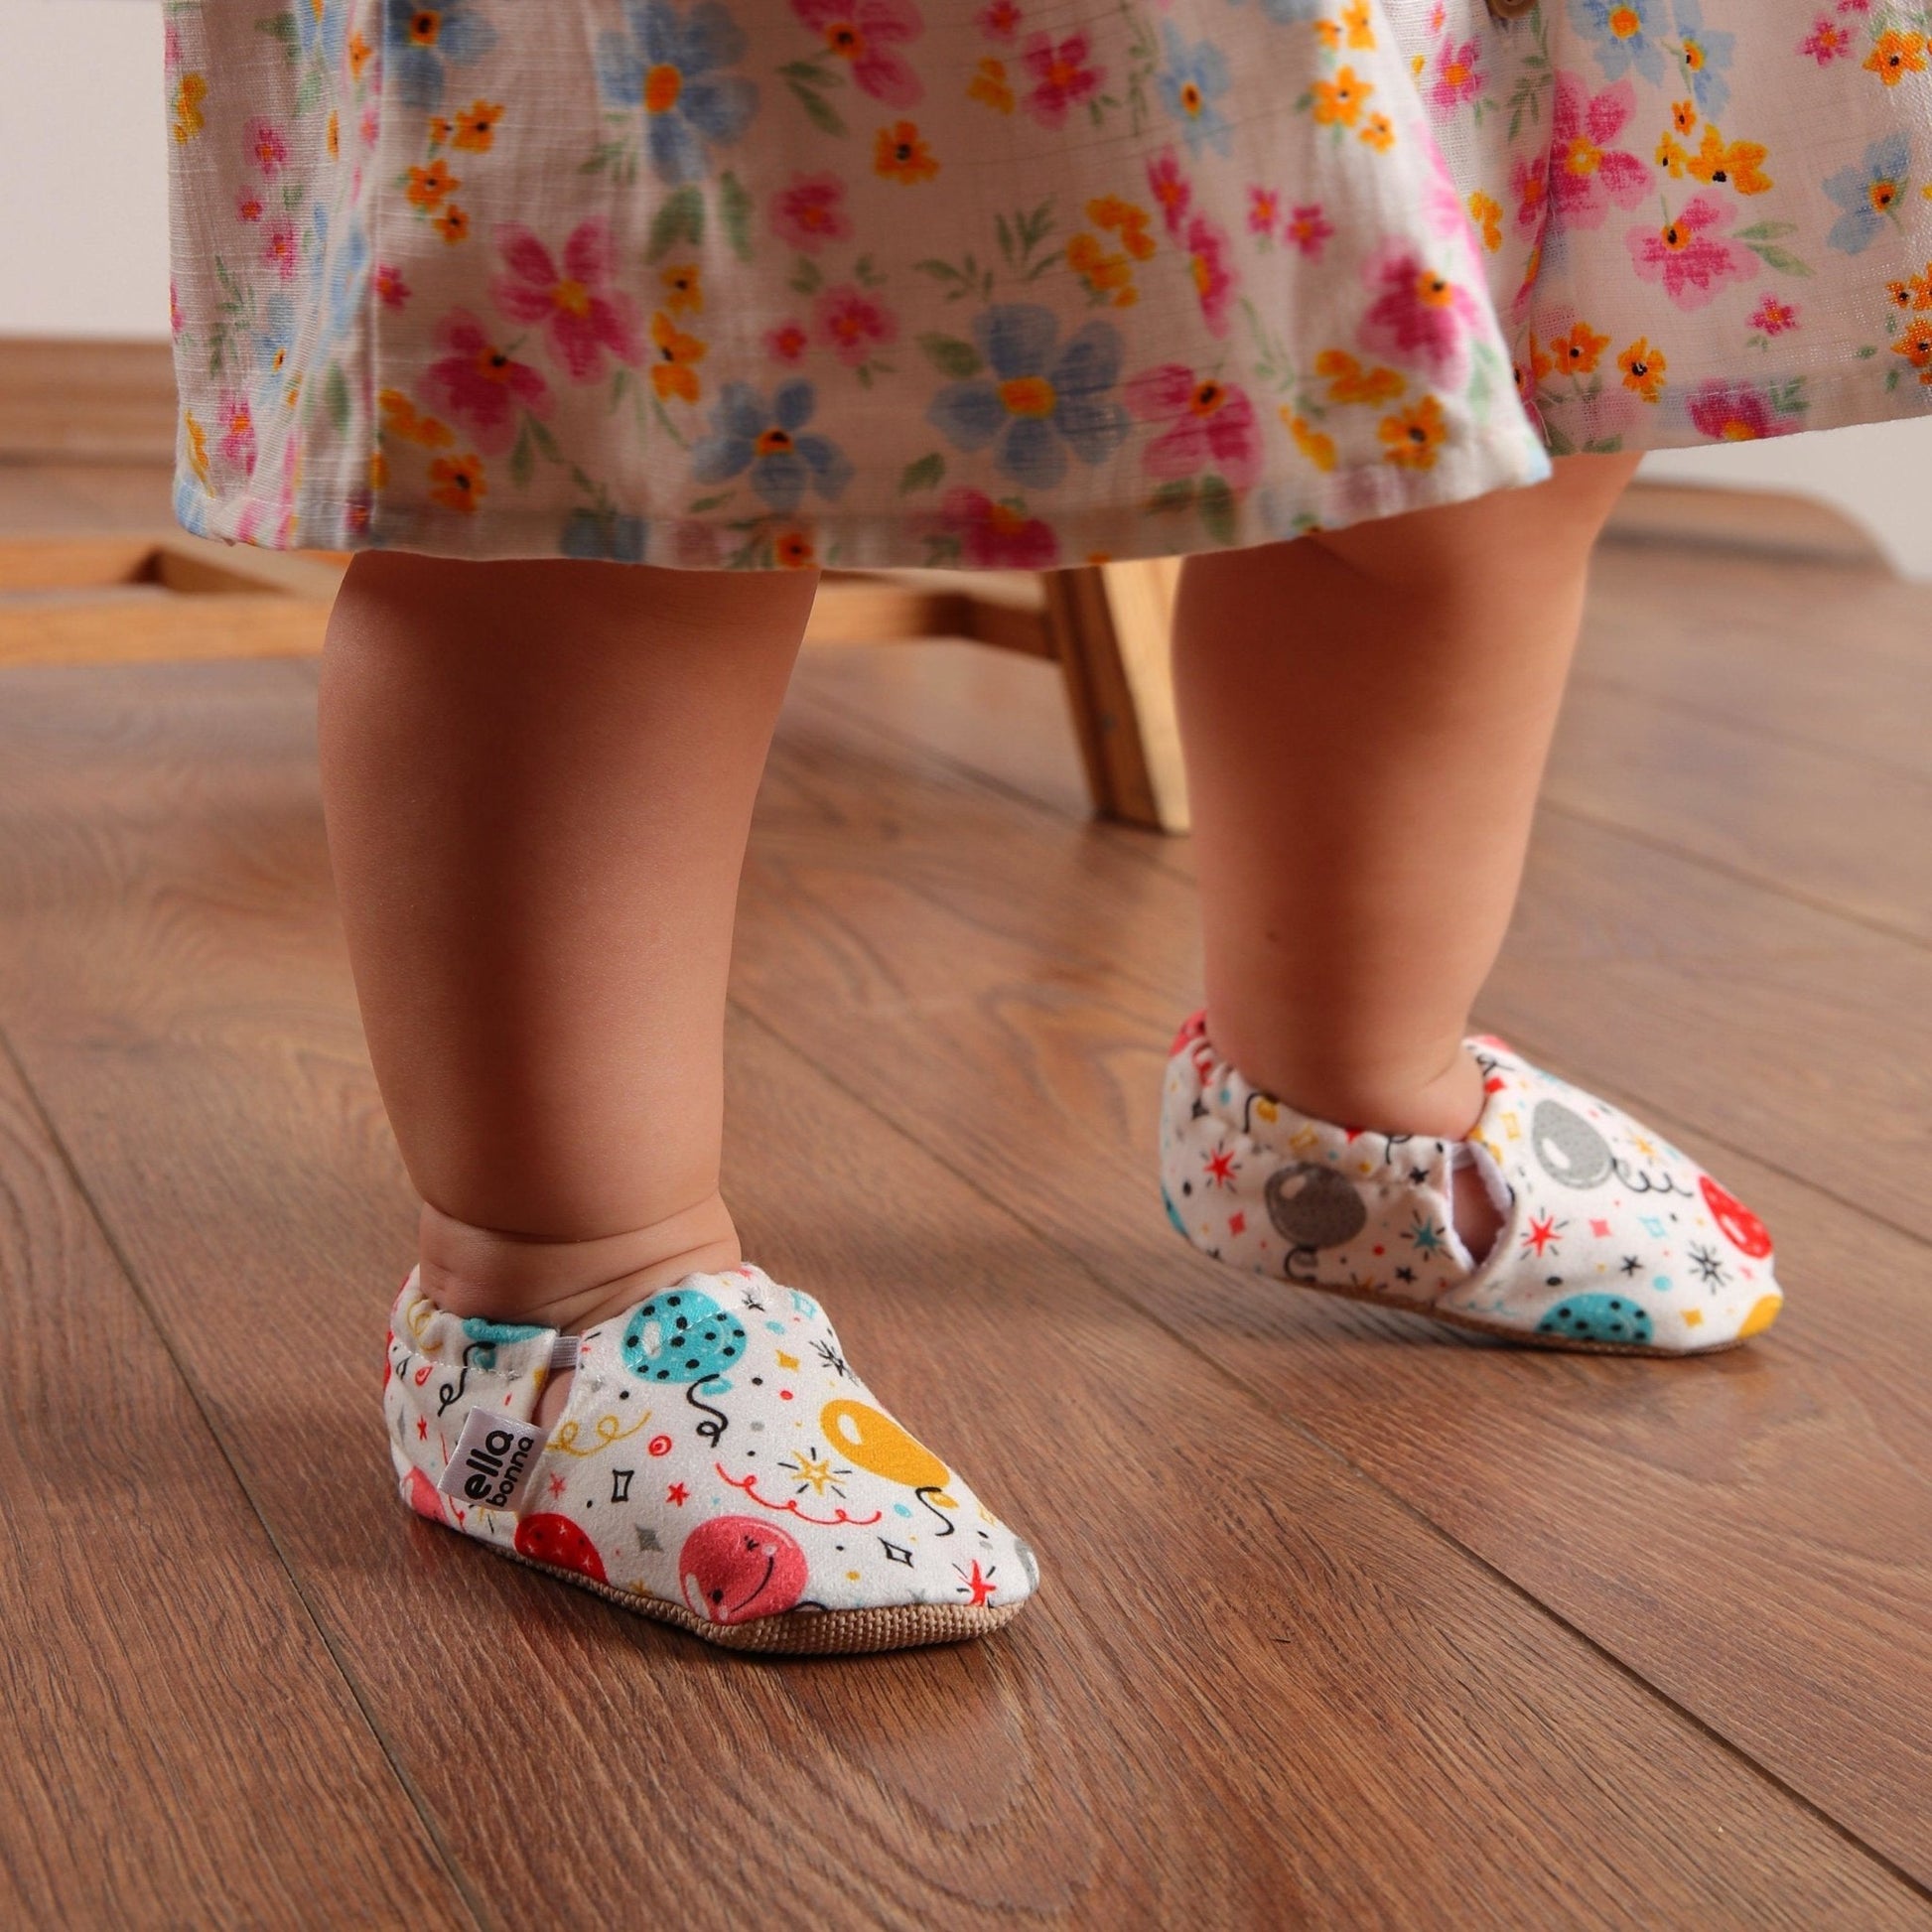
{"points": [[1521, 1337], [798, 1634]]}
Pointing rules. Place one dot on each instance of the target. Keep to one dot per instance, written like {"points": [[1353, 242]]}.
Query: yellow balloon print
{"points": [[877, 1443]]}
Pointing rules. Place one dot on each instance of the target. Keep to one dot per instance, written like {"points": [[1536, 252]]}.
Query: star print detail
{"points": [[1237, 1222], [1405, 1274], [1426, 1236], [676, 1493], [556, 1485], [1709, 1265], [422, 1428], [1631, 1264], [896, 1553], [976, 1585], [814, 1472], [832, 1359], [1542, 1234], [1220, 1168]]}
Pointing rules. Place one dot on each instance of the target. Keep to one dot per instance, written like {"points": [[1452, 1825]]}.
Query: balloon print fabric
{"points": [[718, 1464], [1014, 283]]}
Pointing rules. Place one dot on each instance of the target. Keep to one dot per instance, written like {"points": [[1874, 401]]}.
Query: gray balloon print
{"points": [[1313, 1206], [1567, 1148]]}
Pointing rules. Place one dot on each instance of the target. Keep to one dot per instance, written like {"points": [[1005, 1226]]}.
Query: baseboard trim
{"points": [[85, 401]]}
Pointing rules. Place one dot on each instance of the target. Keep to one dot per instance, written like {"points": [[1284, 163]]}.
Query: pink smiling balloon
{"points": [[734, 1568]]}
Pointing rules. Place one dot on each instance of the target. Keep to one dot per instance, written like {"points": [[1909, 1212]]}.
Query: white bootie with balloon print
{"points": [[718, 1465], [1611, 1238]]}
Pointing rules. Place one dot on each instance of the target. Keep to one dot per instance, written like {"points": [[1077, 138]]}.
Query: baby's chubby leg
{"points": [[538, 781], [1367, 714]]}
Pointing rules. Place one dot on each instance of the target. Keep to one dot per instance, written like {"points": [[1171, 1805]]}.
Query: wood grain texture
{"points": [[175, 1743], [1754, 1533], [1258, 1690]]}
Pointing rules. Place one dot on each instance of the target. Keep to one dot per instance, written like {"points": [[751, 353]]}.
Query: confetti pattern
{"points": [[718, 1465], [1013, 282], [1611, 1237]]}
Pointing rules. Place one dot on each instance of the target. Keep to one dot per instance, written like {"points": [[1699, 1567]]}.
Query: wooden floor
{"points": [[1346, 1621]]}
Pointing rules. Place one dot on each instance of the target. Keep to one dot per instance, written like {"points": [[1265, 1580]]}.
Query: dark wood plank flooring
{"points": [[1346, 1623]]}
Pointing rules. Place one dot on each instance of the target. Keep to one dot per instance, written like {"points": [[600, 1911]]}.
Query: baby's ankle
{"points": [[1441, 1099], [504, 1275]]}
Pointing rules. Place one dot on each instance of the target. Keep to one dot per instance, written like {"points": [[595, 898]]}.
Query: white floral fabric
{"points": [[1014, 283]]}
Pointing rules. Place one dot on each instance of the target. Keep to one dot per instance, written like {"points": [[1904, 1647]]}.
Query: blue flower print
{"points": [[1868, 191], [747, 433], [1705, 55], [1191, 84], [1289, 13], [319, 25], [668, 63], [421, 44], [603, 534], [1627, 35], [1042, 397]]}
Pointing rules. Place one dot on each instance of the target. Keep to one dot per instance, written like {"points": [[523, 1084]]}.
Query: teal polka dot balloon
{"points": [[681, 1335]]}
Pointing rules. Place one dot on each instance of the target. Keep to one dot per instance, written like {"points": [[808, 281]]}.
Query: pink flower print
{"points": [[1308, 227], [236, 422], [390, 289], [1264, 210], [1061, 74], [1736, 412], [1419, 317], [1588, 175], [1459, 76], [282, 249], [851, 325], [1775, 317], [1529, 183], [1827, 42], [1692, 263], [1209, 249], [176, 321], [787, 344], [996, 536], [249, 207], [866, 33], [266, 147], [1000, 20], [811, 212], [581, 316], [480, 385], [1171, 189], [1210, 424]]}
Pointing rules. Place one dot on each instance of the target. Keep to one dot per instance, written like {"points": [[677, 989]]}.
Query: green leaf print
{"points": [[335, 397], [951, 355], [522, 462], [1215, 501], [1175, 496], [1782, 259], [735, 212], [682, 219], [807, 278], [818, 110], [922, 475]]}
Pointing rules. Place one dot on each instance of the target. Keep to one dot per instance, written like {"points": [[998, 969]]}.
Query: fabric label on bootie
{"points": [[495, 1458]]}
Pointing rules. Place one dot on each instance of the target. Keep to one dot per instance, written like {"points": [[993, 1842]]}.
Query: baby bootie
{"points": [[718, 1465], [1611, 1238]]}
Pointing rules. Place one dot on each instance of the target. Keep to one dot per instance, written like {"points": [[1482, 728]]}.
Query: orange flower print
{"points": [[1737, 164], [1106, 277], [1314, 444], [1643, 369], [683, 289], [359, 55], [1349, 383], [402, 420], [1113, 215], [1896, 54], [197, 447], [1579, 350], [430, 186], [990, 86], [457, 483], [793, 550], [475, 126], [1684, 115], [1378, 132], [1360, 35], [1415, 434], [333, 137], [1487, 213], [190, 92], [1338, 101], [1915, 345], [672, 370], [453, 225], [900, 154]]}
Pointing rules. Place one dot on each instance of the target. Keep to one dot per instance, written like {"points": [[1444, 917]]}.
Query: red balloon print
{"points": [[1741, 1229], [423, 1497], [734, 1568], [556, 1541]]}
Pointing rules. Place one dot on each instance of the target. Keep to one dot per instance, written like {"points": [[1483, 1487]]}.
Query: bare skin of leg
{"points": [[1363, 778], [538, 780]]}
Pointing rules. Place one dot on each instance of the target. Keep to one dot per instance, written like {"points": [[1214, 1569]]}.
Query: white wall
{"points": [[84, 250], [83, 159]]}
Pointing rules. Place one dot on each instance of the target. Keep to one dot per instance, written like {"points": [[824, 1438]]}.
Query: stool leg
{"points": [[1111, 626]]}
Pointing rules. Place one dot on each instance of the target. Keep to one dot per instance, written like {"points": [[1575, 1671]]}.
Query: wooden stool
{"points": [[95, 599]]}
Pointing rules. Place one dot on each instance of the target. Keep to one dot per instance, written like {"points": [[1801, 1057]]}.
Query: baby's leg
{"points": [[1363, 761], [538, 778]]}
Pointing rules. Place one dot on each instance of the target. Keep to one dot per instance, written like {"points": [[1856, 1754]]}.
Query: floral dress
{"points": [[1014, 283]]}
